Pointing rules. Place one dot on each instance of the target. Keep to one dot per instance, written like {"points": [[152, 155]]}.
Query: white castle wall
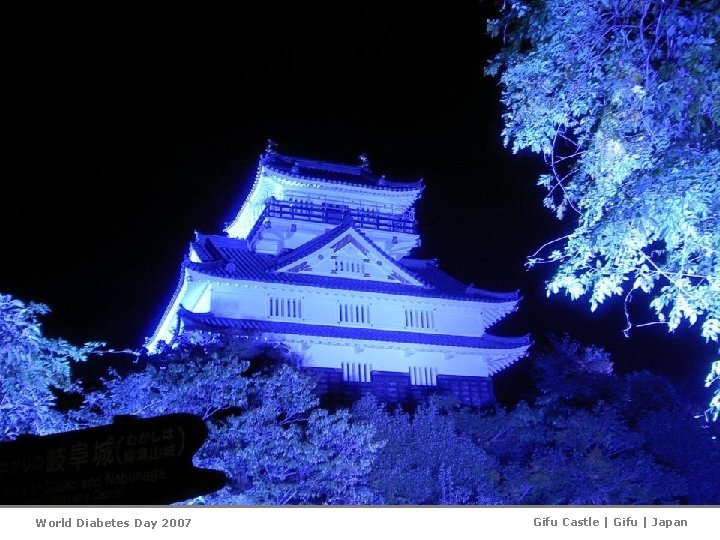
{"points": [[382, 356], [248, 300]]}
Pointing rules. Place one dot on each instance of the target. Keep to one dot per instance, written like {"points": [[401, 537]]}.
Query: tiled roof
{"points": [[207, 321], [332, 172], [231, 259]]}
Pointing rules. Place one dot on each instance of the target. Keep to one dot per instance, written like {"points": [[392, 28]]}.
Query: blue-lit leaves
{"points": [[31, 365], [591, 437], [267, 431], [624, 103], [713, 380], [284, 449]]}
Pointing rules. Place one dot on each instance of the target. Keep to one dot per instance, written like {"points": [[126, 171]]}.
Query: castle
{"points": [[318, 258]]}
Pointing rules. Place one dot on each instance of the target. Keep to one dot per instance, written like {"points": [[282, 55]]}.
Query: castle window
{"points": [[423, 376], [348, 266], [288, 308], [423, 319], [353, 372], [354, 313]]}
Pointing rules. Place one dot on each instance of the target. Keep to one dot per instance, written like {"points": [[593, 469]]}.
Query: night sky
{"points": [[129, 132]]}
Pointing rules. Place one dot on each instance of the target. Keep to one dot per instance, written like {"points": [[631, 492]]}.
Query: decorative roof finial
{"points": [[271, 146], [364, 161]]}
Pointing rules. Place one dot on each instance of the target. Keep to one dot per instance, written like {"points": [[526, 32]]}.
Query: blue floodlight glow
{"points": [[713, 412]]}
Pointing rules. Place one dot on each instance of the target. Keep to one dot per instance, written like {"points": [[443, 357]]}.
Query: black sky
{"points": [[128, 131]]}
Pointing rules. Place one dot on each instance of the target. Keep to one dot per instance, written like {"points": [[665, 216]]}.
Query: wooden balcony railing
{"points": [[335, 214]]}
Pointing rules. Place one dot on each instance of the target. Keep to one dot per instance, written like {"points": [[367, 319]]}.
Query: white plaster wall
{"points": [[239, 302], [237, 299], [393, 357], [460, 320]]}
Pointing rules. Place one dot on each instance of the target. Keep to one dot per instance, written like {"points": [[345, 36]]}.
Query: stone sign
{"points": [[131, 461]]}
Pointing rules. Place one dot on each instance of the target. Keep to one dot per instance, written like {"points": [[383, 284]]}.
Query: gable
{"points": [[348, 255]]}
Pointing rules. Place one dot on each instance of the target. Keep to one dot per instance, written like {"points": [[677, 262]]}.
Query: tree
{"points": [[622, 98], [285, 450], [588, 457], [594, 437], [205, 380], [675, 438], [567, 371], [424, 459], [32, 367], [267, 432]]}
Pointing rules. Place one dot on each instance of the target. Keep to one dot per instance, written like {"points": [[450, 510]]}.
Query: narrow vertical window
{"points": [[419, 318], [285, 307], [354, 313]]}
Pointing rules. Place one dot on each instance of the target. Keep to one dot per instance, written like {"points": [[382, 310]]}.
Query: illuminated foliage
{"points": [[585, 457], [568, 371], [676, 438], [622, 98], [713, 379], [266, 429], [202, 380], [31, 366], [594, 437], [675, 442], [591, 436], [286, 450], [424, 458]]}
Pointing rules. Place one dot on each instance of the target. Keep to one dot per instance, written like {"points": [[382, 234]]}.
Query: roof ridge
{"points": [[360, 175], [320, 163]]}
